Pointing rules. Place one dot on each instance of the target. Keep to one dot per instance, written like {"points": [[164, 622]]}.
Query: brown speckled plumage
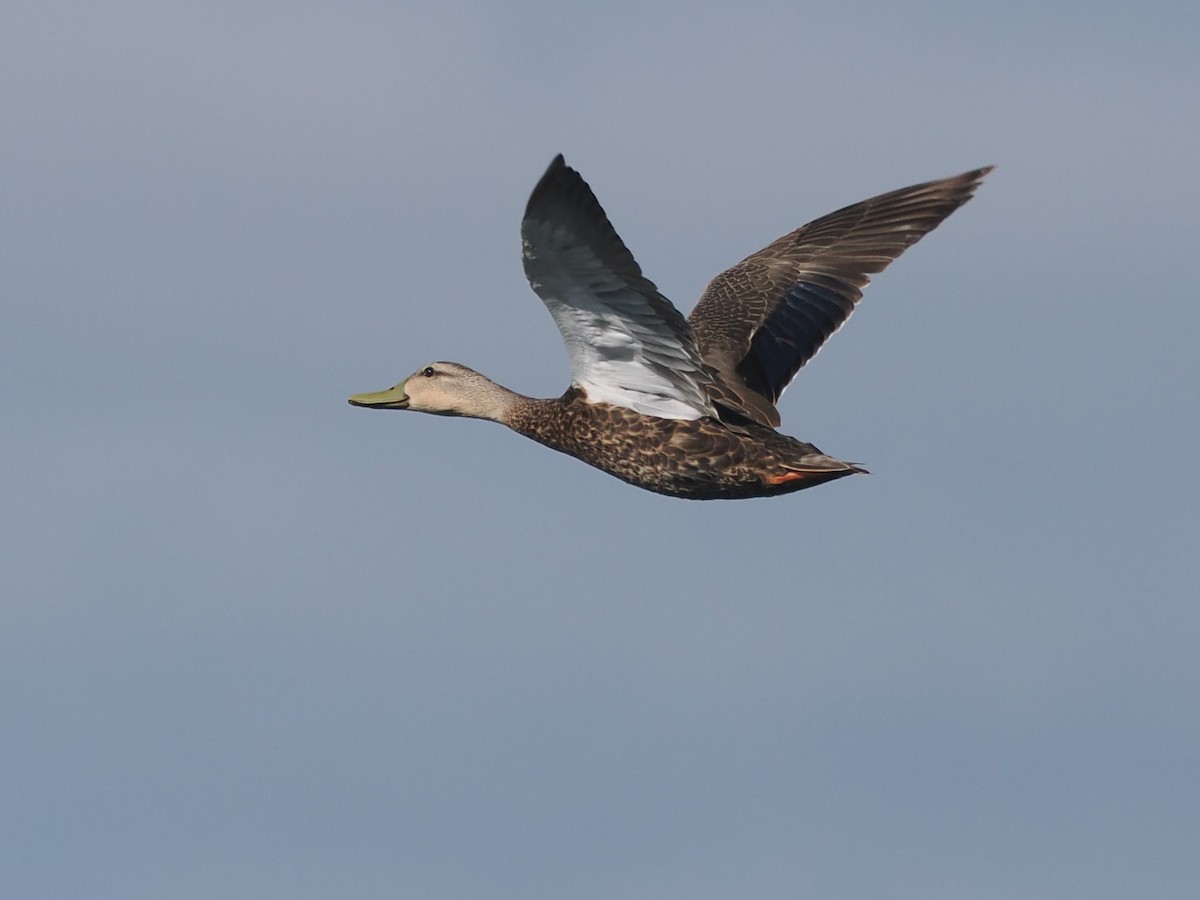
{"points": [[698, 459], [684, 407]]}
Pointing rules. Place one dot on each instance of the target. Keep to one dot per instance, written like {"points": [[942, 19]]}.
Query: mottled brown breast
{"points": [[698, 459]]}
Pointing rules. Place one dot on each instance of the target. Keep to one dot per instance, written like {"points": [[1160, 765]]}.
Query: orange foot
{"points": [[785, 477]]}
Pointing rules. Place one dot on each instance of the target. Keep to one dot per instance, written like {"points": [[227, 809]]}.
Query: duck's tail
{"points": [[813, 469]]}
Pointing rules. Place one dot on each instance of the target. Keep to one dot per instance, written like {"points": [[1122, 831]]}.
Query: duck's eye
{"points": [[428, 372]]}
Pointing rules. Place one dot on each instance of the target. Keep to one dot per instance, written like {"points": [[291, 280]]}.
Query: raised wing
{"points": [[760, 321], [627, 344]]}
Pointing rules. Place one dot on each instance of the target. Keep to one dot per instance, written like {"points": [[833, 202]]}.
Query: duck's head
{"points": [[444, 389]]}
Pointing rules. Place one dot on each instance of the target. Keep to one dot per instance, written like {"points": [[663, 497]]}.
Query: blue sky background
{"points": [[259, 644]]}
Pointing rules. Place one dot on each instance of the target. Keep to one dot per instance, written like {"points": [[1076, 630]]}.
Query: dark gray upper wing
{"points": [[760, 321]]}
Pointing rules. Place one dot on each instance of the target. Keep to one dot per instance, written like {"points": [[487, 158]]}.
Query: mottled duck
{"points": [[684, 407]]}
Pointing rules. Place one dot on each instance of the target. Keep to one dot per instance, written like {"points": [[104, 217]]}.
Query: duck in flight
{"points": [[684, 407]]}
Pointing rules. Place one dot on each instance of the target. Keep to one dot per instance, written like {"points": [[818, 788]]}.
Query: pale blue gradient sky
{"points": [[259, 644]]}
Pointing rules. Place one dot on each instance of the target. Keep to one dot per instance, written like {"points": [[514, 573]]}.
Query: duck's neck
{"points": [[488, 400], [548, 422]]}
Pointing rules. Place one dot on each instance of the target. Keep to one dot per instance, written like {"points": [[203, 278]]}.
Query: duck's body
{"points": [[684, 407], [698, 459]]}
